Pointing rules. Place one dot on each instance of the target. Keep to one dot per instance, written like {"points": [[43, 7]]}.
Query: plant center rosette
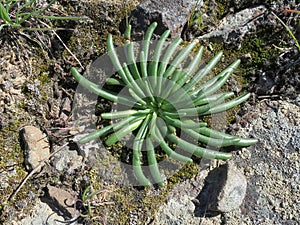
{"points": [[161, 98]]}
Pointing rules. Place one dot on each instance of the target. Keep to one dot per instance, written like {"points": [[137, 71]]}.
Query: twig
{"points": [[268, 96], [41, 163], [281, 49]]}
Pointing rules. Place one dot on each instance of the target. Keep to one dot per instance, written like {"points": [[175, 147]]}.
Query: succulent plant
{"points": [[164, 101]]}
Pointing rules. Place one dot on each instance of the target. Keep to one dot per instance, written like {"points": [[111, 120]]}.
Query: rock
{"points": [[169, 14], [224, 191], [61, 201], [67, 159], [41, 214], [273, 183], [180, 207], [232, 28], [177, 212], [233, 191], [36, 146]]}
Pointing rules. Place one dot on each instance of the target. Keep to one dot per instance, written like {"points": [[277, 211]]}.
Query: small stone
{"points": [[176, 212], [41, 214], [36, 146], [62, 201], [246, 57], [224, 191], [233, 191], [67, 159]]}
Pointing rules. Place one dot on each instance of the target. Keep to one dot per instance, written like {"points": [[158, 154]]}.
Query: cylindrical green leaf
{"points": [[108, 129], [217, 134], [147, 39], [211, 141], [227, 105], [134, 86], [225, 74], [152, 163], [115, 59], [137, 148], [179, 59], [124, 114], [203, 72], [132, 62], [198, 151], [113, 81], [95, 89], [153, 65], [115, 137], [208, 100], [170, 152], [192, 67], [183, 124]]}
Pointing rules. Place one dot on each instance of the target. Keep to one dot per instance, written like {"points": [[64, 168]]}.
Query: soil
{"points": [[37, 89]]}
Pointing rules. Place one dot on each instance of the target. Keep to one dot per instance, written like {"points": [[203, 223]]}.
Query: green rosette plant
{"points": [[164, 101]]}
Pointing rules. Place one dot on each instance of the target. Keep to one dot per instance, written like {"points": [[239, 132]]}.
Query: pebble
{"points": [[67, 159], [177, 211], [233, 191], [62, 200], [36, 146]]}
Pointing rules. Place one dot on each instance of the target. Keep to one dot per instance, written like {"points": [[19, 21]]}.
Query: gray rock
{"points": [[36, 145], [233, 191], [272, 165], [177, 212], [181, 207], [224, 191], [67, 160], [232, 28], [169, 14], [41, 214]]}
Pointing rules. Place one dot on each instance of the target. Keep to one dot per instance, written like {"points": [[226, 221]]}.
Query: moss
{"points": [[188, 171], [11, 152], [258, 45], [44, 78], [223, 7], [261, 48], [129, 200]]}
